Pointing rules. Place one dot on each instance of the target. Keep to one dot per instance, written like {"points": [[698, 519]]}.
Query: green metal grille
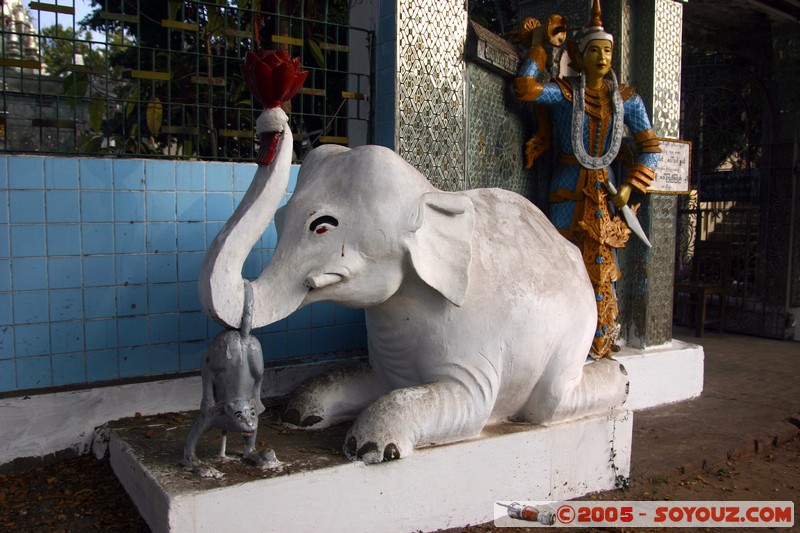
{"points": [[157, 78]]}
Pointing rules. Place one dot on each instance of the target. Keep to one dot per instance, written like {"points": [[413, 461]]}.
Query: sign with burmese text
{"points": [[674, 168]]}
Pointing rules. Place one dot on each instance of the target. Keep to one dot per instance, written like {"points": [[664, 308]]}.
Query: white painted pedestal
{"points": [[446, 486], [663, 374], [437, 487]]}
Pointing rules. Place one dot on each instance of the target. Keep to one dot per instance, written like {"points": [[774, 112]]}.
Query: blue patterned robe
{"points": [[579, 204]]}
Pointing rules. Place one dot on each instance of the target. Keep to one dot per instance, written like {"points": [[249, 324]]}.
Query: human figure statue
{"points": [[588, 115]]}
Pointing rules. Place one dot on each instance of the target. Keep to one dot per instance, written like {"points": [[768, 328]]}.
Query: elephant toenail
{"points": [[311, 420], [292, 416], [351, 446], [390, 453], [622, 369], [367, 448]]}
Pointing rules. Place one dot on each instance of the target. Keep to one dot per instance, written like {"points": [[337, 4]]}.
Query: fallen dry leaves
{"points": [[75, 495]]}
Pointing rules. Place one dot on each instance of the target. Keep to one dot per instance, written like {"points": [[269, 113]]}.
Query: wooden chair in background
{"points": [[710, 280]]}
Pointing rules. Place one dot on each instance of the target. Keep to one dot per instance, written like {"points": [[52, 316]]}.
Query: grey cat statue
{"points": [[232, 372]]}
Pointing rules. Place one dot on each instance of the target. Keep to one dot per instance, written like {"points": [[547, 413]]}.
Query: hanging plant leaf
{"points": [[215, 21], [96, 109], [90, 143], [174, 9], [76, 84], [316, 52], [155, 115], [132, 104]]}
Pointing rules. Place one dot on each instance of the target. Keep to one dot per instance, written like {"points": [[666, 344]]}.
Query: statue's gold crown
{"points": [[594, 29], [596, 13]]}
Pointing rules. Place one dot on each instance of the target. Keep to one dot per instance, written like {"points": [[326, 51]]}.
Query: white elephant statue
{"points": [[477, 310]]}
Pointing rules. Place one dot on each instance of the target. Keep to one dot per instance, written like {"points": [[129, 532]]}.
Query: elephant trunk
{"points": [[221, 286]]}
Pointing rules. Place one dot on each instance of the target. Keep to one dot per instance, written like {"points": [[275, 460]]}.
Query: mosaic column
{"points": [[646, 289], [429, 126], [494, 118]]}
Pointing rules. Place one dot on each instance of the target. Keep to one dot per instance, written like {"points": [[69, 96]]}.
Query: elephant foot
{"points": [[621, 381], [369, 452], [293, 417], [335, 397], [607, 383], [370, 446]]}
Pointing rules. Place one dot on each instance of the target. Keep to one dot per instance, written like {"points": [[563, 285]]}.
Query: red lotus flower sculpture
{"points": [[272, 78]]}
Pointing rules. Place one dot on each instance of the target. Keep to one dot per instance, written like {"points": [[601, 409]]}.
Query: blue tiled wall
{"points": [[99, 260]]}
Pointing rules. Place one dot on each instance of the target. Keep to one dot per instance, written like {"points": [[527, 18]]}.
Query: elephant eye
{"points": [[322, 224]]}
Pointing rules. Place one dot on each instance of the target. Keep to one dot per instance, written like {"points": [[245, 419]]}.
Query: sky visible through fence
{"points": [[44, 19]]}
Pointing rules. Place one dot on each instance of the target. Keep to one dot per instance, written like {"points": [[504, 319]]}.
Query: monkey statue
{"points": [[232, 372]]}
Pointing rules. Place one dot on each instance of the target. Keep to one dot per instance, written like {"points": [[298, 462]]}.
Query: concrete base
{"points": [[316, 489], [43, 424], [40, 425], [663, 374]]}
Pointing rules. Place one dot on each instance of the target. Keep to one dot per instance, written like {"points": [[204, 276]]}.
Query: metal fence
{"points": [[155, 78], [756, 229]]}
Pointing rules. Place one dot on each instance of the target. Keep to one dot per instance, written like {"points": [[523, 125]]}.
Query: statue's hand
{"points": [[623, 195], [538, 36]]}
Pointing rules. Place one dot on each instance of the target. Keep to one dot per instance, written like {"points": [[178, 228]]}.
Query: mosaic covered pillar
{"points": [[429, 120], [495, 128], [646, 289]]}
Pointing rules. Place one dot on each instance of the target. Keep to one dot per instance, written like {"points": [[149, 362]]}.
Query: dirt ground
{"points": [[773, 475], [75, 495], [82, 494]]}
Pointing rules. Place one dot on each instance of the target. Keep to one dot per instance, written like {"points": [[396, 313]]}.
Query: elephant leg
{"points": [[334, 397], [603, 385], [416, 416]]}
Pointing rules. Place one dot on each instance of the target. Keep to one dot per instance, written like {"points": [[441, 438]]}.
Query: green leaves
{"points": [[316, 51], [90, 142], [97, 108], [75, 85], [154, 115]]}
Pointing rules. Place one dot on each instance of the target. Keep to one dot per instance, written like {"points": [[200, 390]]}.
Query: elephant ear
{"points": [[441, 245]]}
